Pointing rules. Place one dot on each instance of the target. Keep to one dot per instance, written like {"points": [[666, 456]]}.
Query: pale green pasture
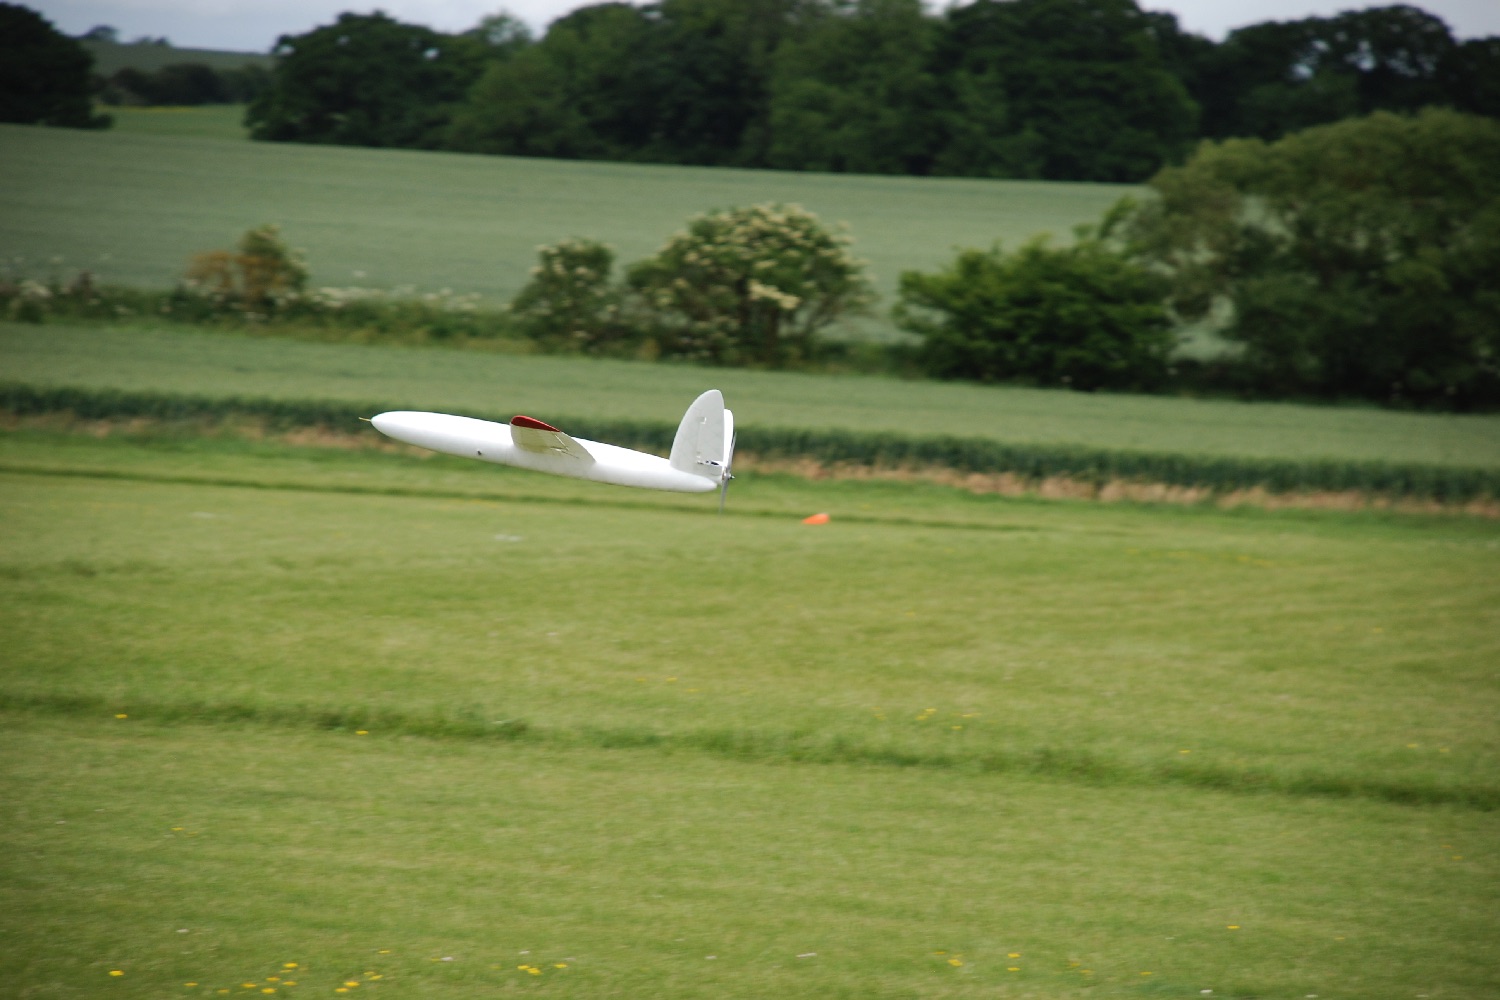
{"points": [[217, 855], [1348, 653], [206, 121], [133, 207], [171, 359], [111, 57]]}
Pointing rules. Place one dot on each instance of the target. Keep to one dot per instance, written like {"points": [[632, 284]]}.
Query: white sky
{"points": [[253, 25]]}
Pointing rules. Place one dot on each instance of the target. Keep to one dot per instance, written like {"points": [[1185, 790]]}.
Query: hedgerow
{"points": [[1031, 462]]}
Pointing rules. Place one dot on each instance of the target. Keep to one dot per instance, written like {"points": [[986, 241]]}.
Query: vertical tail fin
{"points": [[702, 440]]}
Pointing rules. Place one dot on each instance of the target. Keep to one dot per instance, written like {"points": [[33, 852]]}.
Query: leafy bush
{"points": [[1082, 316], [265, 275], [342, 314], [1360, 258], [750, 285], [569, 302]]}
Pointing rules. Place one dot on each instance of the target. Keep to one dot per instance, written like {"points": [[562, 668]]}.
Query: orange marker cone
{"points": [[816, 519]]}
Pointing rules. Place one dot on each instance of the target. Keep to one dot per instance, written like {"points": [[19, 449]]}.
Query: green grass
{"points": [[612, 730], [184, 361], [134, 207], [217, 855], [111, 57], [206, 121]]}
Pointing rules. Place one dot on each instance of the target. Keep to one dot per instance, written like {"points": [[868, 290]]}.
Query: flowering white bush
{"points": [[569, 301], [750, 285]]}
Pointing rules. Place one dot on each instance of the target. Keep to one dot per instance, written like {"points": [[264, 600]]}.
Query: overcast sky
{"points": [[253, 25]]}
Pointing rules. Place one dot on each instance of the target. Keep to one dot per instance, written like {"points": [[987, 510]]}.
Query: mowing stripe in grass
{"points": [[835, 447], [763, 745], [613, 499]]}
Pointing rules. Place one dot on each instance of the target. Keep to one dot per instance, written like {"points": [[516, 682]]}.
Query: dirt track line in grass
{"points": [[768, 746]]}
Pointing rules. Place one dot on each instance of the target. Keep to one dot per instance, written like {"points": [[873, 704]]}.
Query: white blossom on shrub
{"points": [[750, 285]]}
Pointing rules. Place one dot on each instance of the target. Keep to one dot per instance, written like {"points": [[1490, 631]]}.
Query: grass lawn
{"points": [[416, 724], [111, 57], [234, 858], [134, 205], [180, 360], [206, 121]]}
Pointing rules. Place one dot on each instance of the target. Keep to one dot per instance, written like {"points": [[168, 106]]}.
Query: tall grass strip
{"points": [[768, 745], [1031, 462]]}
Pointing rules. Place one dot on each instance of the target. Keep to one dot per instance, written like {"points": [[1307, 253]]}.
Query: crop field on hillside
{"points": [[134, 207], [295, 718], [172, 359], [110, 57], [205, 121]]}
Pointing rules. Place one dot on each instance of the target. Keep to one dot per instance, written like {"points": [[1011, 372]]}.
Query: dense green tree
{"points": [[44, 75], [715, 61], [851, 90], [1082, 316], [580, 92], [1085, 90], [366, 80], [186, 84], [1359, 258], [682, 81], [1277, 77], [1471, 76]]}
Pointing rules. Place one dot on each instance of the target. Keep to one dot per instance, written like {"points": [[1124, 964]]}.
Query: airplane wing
{"points": [[531, 434]]}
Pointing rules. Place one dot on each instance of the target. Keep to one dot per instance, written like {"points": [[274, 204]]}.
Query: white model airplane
{"points": [[701, 452]]}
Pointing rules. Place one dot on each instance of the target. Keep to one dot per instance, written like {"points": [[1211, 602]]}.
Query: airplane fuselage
{"points": [[489, 441]]}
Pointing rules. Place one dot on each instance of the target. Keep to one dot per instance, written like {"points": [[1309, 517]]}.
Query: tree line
{"points": [[1088, 90]]}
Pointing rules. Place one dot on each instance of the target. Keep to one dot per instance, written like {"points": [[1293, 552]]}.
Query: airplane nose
{"points": [[396, 424]]}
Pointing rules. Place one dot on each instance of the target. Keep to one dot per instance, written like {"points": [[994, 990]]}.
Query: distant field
{"points": [[133, 207], [206, 121], [446, 730], [184, 361], [111, 57]]}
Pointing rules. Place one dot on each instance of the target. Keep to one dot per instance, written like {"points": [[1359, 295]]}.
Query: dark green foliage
{"points": [[682, 81], [1082, 316], [1471, 77], [1097, 90], [851, 91], [366, 80], [1360, 259], [186, 84], [1270, 79], [1447, 484], [587, 91], [1060, 89], [44, 74]]}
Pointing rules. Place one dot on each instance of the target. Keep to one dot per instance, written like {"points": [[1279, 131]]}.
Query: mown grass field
{"points": [[134, 206], [169, 359], [206, 121], [442, 729], [111, 57]]}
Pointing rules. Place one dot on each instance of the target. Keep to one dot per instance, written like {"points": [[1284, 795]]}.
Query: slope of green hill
{"points": [[133, 207], [203, 121], [111, 57]]}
